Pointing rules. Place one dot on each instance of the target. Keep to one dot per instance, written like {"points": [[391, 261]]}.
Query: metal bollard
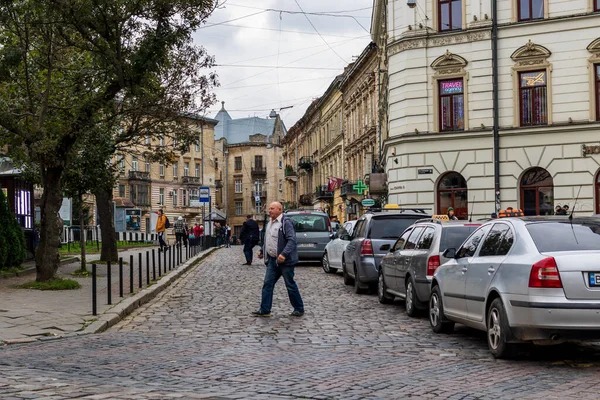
{"points": [[108, 282], [154, 266], [170, 247], [94, 299], [147, 268], [121, 276], [159, 264], [165, 259], [131, 273], [140, 270]]}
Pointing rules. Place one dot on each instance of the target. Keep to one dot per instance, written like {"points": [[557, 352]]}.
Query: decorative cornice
{"points": [[594, 47], [439, 40], [529, 52]]}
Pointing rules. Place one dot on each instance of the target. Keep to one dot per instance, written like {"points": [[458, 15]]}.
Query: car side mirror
{"points": [[450, 253], [385, 247]]}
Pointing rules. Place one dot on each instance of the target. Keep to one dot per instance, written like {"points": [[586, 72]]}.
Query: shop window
{"points": [[533, 98], [537, 192], [452, 106], [452, 192], [450, 15], [530, 9]]}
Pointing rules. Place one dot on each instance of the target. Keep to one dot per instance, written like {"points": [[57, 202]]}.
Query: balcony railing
{"points": [[139, 176], [190, 180], [306, 199], [260, 170], [322, 194], [289, 172], [260, 193], [305, 162], [347, 188]]}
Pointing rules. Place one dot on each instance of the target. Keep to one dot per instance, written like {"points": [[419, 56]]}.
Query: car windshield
{"points": [[564, 236], [390, 227], [454, 236], [309, 223]]}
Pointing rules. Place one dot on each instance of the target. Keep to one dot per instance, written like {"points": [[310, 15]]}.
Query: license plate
{"points": [[306, 245], [594, 278]]}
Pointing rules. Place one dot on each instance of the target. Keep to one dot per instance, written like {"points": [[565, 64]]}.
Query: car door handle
{"points": [[491, 270]]}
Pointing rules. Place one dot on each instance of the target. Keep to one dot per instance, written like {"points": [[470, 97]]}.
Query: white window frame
{"points": [[148, 165], [238, 186], [175, 198], [161, 170], [197, 170], [161, 196], [134, 163], [175, 169], [239, 207], [186, 168]]}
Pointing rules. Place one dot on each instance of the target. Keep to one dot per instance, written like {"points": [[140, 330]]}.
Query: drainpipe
{"points": [[495, 104]]}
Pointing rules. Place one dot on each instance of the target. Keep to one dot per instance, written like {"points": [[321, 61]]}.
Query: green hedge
{"points": [[12, 237]]}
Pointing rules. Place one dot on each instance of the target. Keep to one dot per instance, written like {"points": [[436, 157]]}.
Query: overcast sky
{"points": [[271, 39]]}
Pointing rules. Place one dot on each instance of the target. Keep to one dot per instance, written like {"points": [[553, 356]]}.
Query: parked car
{"points": [[313, 232], [372, 238], [332, 258], [529, 279], [406, 271]]}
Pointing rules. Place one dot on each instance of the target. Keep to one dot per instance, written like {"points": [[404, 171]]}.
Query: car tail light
{"points": [[432, 264], [544, 274], [367, 248]]}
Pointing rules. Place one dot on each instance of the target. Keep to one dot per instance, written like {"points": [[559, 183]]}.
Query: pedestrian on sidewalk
{"points": [[179, 230], [227, 235], [161, 227], [249, 236], [280, 253]]}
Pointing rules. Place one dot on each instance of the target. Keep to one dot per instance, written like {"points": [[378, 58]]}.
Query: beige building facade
{"points": [[440, 148]]}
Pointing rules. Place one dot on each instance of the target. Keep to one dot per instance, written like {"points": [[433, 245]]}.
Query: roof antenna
{"points": [[574, 205], [471, 215]]}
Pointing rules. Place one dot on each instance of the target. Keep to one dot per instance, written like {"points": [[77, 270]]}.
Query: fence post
{"points": [[94, 300], [97, 241], [109, 282], [170, 247], [165, 259], [131, 273], [154, 266], [121, 276], [140, 270], [147, 268], [159, 263]]}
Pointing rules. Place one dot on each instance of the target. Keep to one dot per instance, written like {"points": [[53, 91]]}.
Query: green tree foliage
{"points": [[71, 71], [12, 238]]}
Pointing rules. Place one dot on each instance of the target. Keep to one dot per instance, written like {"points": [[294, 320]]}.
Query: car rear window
{"points": [[454, 236], [309, 223], [390, 227], [564, 236]]}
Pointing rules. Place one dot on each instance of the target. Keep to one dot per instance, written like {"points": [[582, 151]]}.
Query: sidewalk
{"points": [[29, 315]]}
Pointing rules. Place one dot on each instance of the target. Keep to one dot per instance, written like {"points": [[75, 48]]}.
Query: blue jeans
{"points": [[274, 272]]}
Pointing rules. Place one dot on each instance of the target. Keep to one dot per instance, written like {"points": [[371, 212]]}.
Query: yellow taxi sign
{"points": [[441, 217], [391, 207]]}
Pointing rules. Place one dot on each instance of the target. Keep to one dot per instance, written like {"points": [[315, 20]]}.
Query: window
{"points": [[533, 98], [186, 169], [147, 139], [281, 158], [184, 202], [281, 185], [469, 248], [148, 165], [216, 163], [161, 169], [426, 239], [121, 162], [597, 79], [175, 168], [258, 162], [197, 144], [411, 243], [259, 208], [530, 9], [134, 163], [197, 170], [161, 141], [565, 236], [121, 190], [452, 192], [309, 222], [450, 15], [454, 236], [596, 5], [194, 197], [388, 227], [493, 243], [238, 186], [238, 207], [174, 192], [238, 164], [400, 242], [452, 110], [161, 196], [537, 192]]}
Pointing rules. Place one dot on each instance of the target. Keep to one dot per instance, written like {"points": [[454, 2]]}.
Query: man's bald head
{"points": [[275, 209]]}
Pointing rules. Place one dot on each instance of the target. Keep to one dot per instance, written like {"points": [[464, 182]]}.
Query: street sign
{"points": [[204, 195], [368, 202]]}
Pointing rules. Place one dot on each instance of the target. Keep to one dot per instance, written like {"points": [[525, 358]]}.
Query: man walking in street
{"points": [[280, 253], [161, 227], [249, 236], [179, 230]]}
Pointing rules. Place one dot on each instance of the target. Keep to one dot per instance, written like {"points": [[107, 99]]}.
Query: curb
{"points": [[121, 310], [31, 270]]}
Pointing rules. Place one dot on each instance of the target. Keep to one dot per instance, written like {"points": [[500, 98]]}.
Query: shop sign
{"points": [[425, 171], [368, 202]]}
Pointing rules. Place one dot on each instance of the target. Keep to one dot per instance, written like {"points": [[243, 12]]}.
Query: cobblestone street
{"points": [[198, 340]]}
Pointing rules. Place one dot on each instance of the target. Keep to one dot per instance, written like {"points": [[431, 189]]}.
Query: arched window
{"points": [[537, 192], [452, 192]]}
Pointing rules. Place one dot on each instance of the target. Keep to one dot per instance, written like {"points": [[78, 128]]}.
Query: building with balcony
{"points": [[457, 140], [252, 172]]}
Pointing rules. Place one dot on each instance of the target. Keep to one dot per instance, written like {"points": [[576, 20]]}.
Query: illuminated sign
{"points": [[451, 87], [533, 79]]}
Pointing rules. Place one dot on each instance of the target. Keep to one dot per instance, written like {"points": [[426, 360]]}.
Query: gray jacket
{"points": [[286, 244]]}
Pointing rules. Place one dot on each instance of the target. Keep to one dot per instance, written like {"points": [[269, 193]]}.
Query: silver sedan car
{"points": [[529, 279], [332, 258]]}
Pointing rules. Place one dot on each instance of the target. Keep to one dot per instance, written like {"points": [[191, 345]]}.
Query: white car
{"points": [[332, 258]]}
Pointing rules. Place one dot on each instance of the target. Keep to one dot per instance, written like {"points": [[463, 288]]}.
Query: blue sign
{"points": [[204, 194]]}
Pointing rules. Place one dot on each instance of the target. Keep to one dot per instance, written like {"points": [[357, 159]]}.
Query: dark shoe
{"points": [[297, 313], [261, 313], [246, 263]]}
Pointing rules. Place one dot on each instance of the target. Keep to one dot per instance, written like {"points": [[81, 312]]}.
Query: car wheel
{"points": [[437, 319], [498, 331], [325, 264], [358, 288], [347, 279], [411, 298], [384, 298]]}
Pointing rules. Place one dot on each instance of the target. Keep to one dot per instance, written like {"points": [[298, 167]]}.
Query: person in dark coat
{"points": [[249, 236]]}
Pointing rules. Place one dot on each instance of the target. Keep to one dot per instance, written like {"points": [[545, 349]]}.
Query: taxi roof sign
{"points": [[391, 207], [442, 217], [510, 212]]}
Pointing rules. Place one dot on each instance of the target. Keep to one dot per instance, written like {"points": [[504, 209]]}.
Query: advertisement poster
{"points": [[133, 219]]}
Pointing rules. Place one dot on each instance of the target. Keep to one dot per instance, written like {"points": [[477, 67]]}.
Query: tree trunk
{"points": [[82, 232], [47, 257], [104, 202]]}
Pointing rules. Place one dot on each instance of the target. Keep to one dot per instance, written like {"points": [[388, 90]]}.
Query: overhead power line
{"points": [[231, 20], [311, 13], [278, 83], [283, 30], [274, 67]]}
